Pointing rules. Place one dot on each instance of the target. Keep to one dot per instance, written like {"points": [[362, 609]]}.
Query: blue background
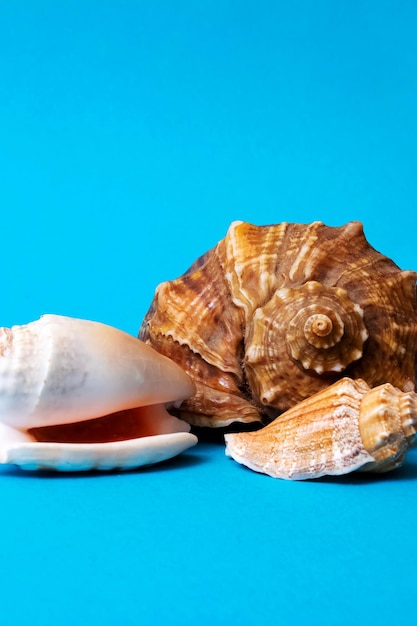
{"points": [[131, 135]]}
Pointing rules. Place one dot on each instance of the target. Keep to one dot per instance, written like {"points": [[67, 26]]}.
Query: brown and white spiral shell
{"points": [[273, 314]]}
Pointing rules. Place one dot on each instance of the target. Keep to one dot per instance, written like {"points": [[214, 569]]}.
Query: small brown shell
{"points": [[274, 314], [346, 427]]}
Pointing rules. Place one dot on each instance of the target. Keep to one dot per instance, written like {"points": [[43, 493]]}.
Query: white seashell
{"points": [[80, 395]]}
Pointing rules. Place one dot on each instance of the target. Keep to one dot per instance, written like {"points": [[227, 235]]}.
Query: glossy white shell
{"points": [[59, 370], [74, 457]]}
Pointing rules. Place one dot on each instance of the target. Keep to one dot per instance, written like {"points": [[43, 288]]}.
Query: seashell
{"points": [[274, 314], [80, 395], [344, 428]]}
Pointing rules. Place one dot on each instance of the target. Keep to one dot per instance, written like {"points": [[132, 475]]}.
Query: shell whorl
{"points": [[322, 329], [319, 327]]}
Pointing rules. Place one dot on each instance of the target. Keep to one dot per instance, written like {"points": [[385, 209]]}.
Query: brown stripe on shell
{"points": [[251, 262], [194, 311]]}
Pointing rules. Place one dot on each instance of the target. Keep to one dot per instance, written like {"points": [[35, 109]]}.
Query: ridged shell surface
{"points": [[346, 427], [274, 314]]}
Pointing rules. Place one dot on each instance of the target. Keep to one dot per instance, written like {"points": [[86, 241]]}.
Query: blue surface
{"points": [[131, 135]]}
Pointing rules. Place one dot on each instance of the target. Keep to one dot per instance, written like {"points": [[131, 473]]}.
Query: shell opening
{"points": [[120, 426]]}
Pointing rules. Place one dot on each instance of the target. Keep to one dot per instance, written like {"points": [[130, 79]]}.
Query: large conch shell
{"points": [[80, 395], [274, 314], [344, 428]]}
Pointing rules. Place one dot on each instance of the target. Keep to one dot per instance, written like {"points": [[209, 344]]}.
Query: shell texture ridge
{"points": [[77, 395], [274, 314], [344, 428]]}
